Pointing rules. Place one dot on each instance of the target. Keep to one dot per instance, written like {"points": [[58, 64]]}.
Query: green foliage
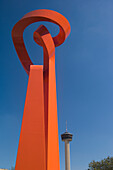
{"points": [[105, 164], [12, 168]]}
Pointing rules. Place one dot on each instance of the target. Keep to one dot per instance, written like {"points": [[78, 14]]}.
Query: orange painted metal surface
{"points": [[38, 145]]}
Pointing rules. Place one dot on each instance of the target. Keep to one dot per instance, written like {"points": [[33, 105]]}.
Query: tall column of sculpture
{"points": [[38, 144]]}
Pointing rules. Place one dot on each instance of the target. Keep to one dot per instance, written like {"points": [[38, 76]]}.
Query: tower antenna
{"points": [[66, 125]]}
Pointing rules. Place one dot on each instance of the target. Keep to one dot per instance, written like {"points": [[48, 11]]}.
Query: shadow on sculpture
{"points": [[38, 144]]}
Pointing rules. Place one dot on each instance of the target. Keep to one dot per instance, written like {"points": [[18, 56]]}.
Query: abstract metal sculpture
{"points": [[38, 144]]}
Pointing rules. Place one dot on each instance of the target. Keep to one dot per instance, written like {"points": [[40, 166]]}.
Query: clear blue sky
{"points": [[84, 73]]}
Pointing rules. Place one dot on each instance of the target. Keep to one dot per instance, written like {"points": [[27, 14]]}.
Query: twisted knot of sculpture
{"points": [[41, 36]]}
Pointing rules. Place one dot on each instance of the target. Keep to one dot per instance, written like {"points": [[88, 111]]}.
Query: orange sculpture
{"points": [[38, 144]]}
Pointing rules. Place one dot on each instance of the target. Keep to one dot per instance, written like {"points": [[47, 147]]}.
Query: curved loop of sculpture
{"points": [[42, 36], [32, 17], [38, 144]]}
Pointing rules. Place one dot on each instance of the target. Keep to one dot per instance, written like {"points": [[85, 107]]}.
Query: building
{"points": [[67, 137]]}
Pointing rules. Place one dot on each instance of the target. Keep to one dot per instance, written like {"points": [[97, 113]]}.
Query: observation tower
{"points": [[67, 137]]}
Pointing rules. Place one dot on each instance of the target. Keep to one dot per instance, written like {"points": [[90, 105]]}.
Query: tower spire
{"points": [[66, 125]]}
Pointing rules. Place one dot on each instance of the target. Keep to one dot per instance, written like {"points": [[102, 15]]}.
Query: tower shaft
{"points": [[67, 155]]}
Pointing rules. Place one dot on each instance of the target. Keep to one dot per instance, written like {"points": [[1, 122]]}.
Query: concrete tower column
{"points": [[67, 137], [67, 155]]}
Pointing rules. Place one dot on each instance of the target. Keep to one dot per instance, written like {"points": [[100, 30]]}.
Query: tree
{"points": [[105, 164], [12, 168]]}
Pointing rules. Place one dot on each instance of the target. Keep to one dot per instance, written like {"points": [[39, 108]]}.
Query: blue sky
{"points": [[84, 74]]}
